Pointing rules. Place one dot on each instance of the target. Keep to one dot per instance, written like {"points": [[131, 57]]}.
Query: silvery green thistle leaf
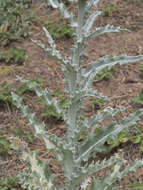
{"points": [[91, 3], [101, 116], [72, 155], [41, 93], [118, 173], [40, 178], [109, 179], [96, 142], [53, 3], [50, 39], [132, 168], [92, 93], [51, 140], [91, 71], [92, 169], [90, 21], [102, 30], [100, 165], [62, 8], [97, 184], [106, 61], [53, 53]]}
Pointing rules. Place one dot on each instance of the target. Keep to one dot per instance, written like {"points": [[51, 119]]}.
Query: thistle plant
{"points": [[75, 157]]}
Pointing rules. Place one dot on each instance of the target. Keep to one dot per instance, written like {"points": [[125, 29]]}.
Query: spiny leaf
{"points": [[51, 140], [91, 71], [40, 177], [103, 30], [53, 3], [91, 3], [110, 178], [93, 93], [50, 39], [96, 142], [100, 165], [90, 21], [40, 92], [103, 115], [53, 53], [62, 8]]}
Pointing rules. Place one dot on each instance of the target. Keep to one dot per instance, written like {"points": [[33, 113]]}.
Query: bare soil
{"points": [[126, 82]]}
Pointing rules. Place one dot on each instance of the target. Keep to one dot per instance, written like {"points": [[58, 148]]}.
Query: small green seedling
{"points": [[108, 10], [105, 74], [59, 30], [9, 183], [6, 146], [50, 111], [5, 70], [15, 16], [139, 1], [20, 133], [18, 55], [141, 68], [7, 38], [138, 99], [96, 103], [5, 91], [5, 95], [15, 55], [136, 186], [24, 88], [124, 137]]}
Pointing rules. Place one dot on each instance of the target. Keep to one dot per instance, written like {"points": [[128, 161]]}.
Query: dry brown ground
{"points": [[127, 81]]}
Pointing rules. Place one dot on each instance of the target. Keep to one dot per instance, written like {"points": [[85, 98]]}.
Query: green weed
{"points": [[136, 186], [6, 89], [125, 136], [9, 183], [59, 29], [141, 68], [96, 103], [15, 55], [138, 99], [6, 146], [18, 55], [7, 38], [106, 11], [139, 1], [15, 17], [105, 74], [20, 133], [50, 111], [6, 70]]}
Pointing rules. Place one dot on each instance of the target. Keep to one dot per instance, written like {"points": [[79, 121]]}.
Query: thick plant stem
{"points": [[81, 15], [75, 76], [75, 90]]}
